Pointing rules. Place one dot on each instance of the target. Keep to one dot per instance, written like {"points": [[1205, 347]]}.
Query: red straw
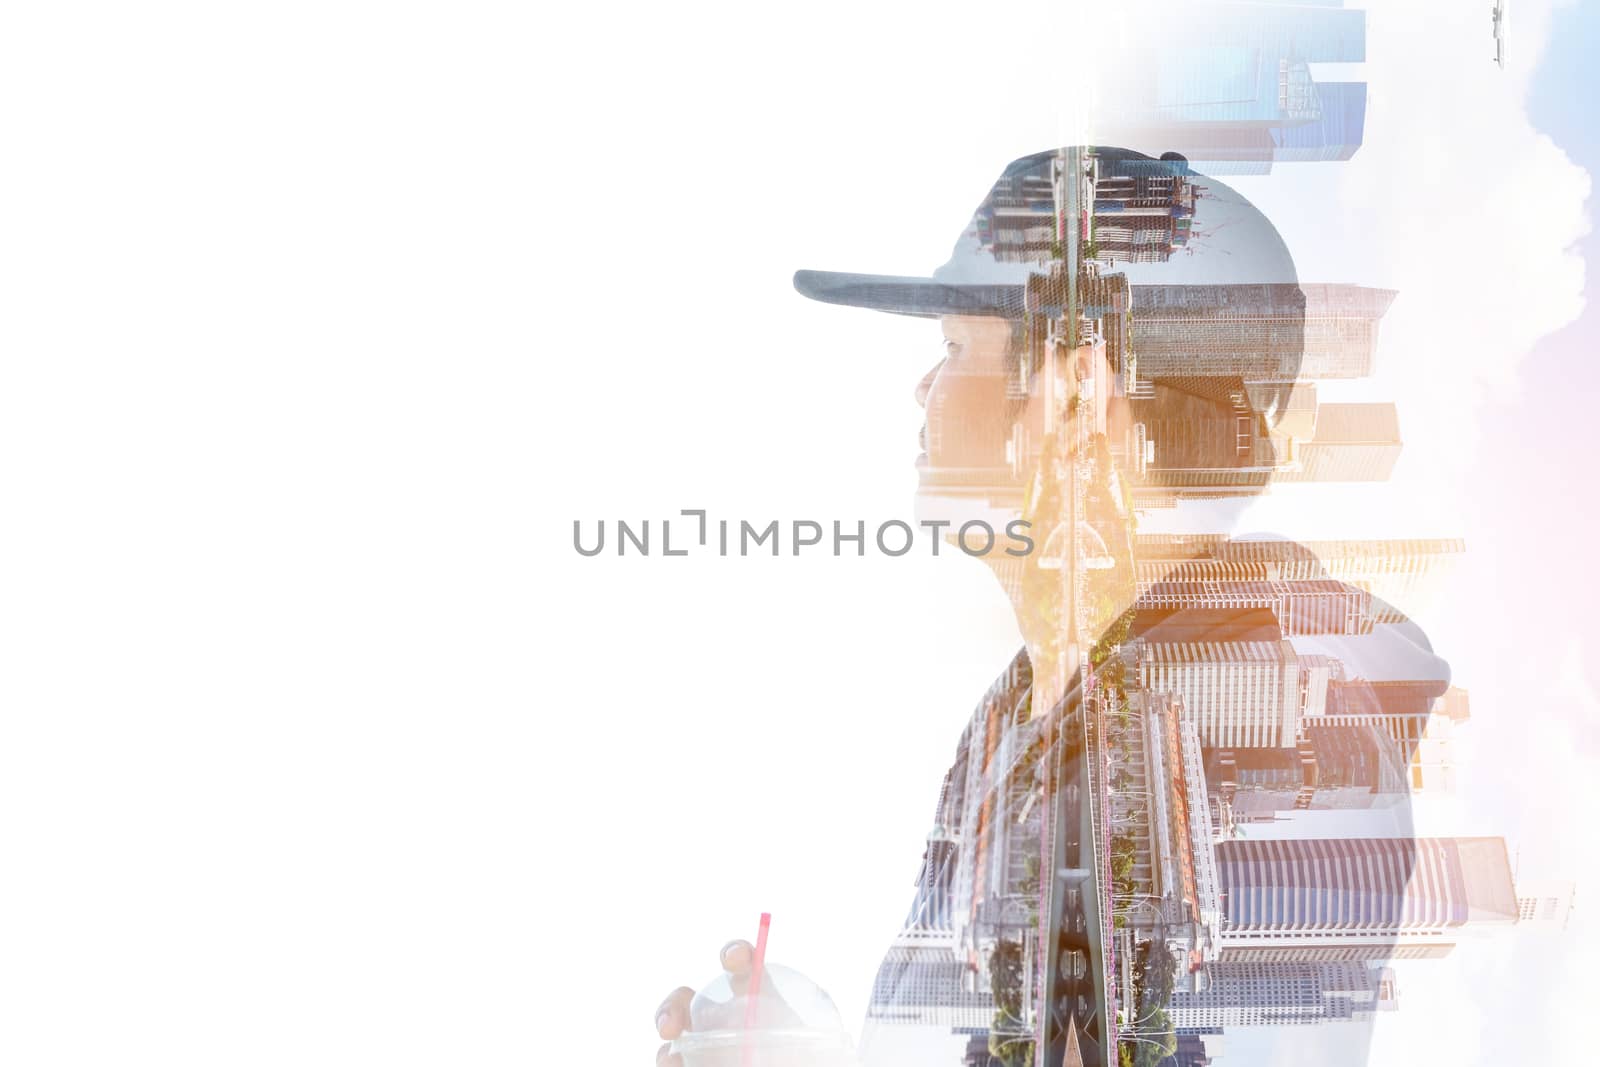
{"points": [[753, 990]]}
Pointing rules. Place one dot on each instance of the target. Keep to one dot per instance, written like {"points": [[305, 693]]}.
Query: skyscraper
{"points": [[1197, 1049], [1302, 608], [1241, 694], [1293, 898], [1199, 445], [1352, 443], [1402, 709], [1201, 433], [1142, 217], [1238, 94], [1282, 332], [1282, 994], [1342, 767], [1544, 903], [1396, 572], [1142, 210], [926, 985]]}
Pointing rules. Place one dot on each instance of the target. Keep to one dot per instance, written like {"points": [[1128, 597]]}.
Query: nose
{"points": [[926, 384]]}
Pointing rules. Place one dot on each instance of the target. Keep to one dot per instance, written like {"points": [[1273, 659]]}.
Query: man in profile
{"points": [[1126, 337], [1074, 884], [1040, 406]]}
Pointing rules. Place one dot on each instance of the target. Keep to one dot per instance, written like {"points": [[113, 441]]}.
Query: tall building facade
{"points": [[1395, 572], [1303, 608], [1197, 1049], [1239, 94], [1142, 211], [1401, 709], [1296, 897], [1240, 694], [925, 985], [1333, 768], [1282, 994], [1141, 217], [1202, 446], [1281, 332], [1544, 903], [1352, 443]]}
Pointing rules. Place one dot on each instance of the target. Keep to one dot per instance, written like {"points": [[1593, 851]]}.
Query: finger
{"points": [[665, 1057], [672, 1018], [738, 957]]}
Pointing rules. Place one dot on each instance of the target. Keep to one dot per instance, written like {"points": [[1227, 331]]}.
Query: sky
{"points": [[1519, 637]]}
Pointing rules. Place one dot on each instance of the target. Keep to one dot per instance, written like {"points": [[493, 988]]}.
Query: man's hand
{"points": [[672, 1018]]}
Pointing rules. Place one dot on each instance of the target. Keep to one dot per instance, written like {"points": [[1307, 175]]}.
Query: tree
{"points": [[1165, 1041], [1158, 964], [1112, 673], [1005, 975], [1012, 1049]]}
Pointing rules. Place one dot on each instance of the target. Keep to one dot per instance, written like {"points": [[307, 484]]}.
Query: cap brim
{"points": [[922, 297]]}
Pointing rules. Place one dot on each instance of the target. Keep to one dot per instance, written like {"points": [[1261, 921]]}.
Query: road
{"points": [[1074, 990], [1075, 995]]}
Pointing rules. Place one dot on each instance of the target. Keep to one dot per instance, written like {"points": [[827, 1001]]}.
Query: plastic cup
{"points": [[792, 1023]]}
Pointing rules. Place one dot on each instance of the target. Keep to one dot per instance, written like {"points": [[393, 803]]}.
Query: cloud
{"points": [[1461, 203]]}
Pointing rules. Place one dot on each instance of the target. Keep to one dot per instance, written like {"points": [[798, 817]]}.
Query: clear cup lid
{"points": [[788, 1003]]}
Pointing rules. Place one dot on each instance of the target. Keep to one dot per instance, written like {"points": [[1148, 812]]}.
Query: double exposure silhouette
{"points": [[1124, 334]]}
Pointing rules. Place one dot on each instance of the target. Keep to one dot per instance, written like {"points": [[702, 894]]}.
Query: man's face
{"points": [[968, 422], [979, 430]]}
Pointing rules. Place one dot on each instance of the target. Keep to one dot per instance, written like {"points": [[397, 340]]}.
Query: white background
{"points": [[322, 323]]}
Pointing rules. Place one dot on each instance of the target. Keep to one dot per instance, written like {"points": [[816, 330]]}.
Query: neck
{"points": [[1040, 605]]}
